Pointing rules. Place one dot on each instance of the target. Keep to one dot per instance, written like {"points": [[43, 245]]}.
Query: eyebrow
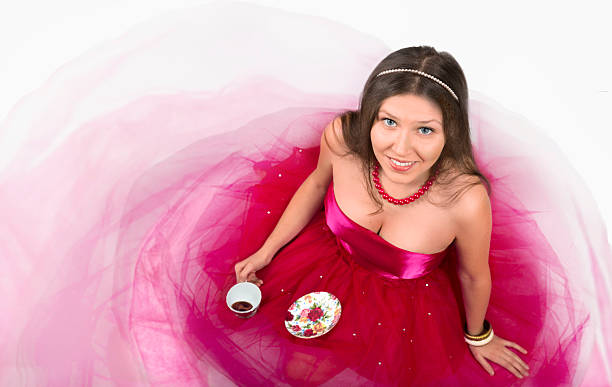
{"points": [[395, 118]]}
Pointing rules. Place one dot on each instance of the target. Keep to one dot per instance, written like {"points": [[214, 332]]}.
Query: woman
{"points": [[409, 139], [123, 278]]}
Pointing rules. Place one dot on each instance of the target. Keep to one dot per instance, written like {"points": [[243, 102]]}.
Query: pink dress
{"points": [[150, 165], [401, 321]]}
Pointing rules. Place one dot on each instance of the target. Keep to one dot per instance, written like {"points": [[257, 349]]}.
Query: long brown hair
{"points": [[457, 154]]}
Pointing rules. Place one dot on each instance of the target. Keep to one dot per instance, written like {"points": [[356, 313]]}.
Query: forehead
{"points": [[410, 107]]}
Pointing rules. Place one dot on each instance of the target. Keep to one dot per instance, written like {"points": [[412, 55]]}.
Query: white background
{"points": [[547, 61]]}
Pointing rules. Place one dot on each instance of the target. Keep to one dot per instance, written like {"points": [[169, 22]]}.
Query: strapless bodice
{"points": [[373, 252]]}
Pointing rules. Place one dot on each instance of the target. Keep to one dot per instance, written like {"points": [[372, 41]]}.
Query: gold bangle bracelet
{"points": [[482, 336], [479, 342]]}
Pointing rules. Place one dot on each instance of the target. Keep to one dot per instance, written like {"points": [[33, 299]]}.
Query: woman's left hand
{"points": [[497, 352]]}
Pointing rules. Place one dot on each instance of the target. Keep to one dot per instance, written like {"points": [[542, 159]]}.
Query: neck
{"points": [[398, 190]]}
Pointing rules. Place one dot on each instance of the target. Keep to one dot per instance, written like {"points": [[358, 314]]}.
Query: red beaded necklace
{"points": [[407, 200]]}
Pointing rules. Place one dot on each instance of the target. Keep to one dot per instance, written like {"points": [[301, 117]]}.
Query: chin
{"points": [[407, 177]]}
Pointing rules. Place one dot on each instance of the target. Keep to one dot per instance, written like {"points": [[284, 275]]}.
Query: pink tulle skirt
{"points": [[146, 169], [386, 335]]}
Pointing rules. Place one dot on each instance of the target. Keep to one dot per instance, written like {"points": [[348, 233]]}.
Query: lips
{"points": [[400, 168], [401, 161]]}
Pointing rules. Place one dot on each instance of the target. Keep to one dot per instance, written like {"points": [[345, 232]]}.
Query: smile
{"points": [[401, 166]]}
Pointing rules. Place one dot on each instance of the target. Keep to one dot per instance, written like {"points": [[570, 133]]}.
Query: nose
{"points": [[403, 143]]}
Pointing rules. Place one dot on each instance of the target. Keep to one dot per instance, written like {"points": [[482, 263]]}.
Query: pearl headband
{"points": [[444, 85]]}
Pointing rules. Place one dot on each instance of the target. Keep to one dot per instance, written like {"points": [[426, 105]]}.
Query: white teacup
{"points": [[241, 294]]}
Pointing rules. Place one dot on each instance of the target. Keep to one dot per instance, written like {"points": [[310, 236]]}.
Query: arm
{"points": [[300, 210], [473, 223], [308, 198]]}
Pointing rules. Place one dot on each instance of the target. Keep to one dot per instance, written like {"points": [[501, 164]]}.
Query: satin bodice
{"points": [[373, 252]]}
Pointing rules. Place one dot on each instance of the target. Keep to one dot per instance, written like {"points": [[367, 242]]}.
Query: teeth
{"points": [[402, 164]]}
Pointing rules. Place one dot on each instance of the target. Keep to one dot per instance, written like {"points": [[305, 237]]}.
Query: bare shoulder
{"points": [[334, 138], [330, 151], [472, 222], [473, 204]]}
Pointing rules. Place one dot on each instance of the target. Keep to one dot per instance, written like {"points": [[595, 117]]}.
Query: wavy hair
{"points": [[456, 158]]}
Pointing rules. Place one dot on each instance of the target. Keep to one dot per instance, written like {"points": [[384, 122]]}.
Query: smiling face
{"points": [[407, 129]]}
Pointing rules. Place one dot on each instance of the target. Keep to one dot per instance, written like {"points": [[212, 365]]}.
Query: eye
{"points": [[386, 120], [426, 128]]}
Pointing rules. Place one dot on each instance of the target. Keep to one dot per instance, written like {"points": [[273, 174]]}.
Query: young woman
{"points": [[401, 190], [446, 243]]}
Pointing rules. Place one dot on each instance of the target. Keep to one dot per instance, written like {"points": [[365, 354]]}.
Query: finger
{"points": [[516, 346], [253, 279], [238, 269], [514, 355], [518, 363], [517, 359], [485, 364], [244, 273], [514, 367]]}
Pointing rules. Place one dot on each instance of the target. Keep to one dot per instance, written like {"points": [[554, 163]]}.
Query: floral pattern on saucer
{"points": [[313, 315]]}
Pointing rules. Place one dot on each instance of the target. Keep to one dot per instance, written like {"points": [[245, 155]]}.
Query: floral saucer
{"points": [[313, 315]]}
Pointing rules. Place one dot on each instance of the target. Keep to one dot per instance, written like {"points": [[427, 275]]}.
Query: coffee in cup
{"points": [[243, 299], [242, 306]]}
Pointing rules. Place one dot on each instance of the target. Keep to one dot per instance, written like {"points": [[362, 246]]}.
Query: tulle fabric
{"points": [[145, 169], [392, 332]]}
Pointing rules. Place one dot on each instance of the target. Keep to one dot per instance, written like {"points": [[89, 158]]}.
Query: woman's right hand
{"points": [[245, 269]]}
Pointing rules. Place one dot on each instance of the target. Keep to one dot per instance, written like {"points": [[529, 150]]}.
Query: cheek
{"points": [[437, 149], [431, 150], [441, 146], [377, 139]]}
